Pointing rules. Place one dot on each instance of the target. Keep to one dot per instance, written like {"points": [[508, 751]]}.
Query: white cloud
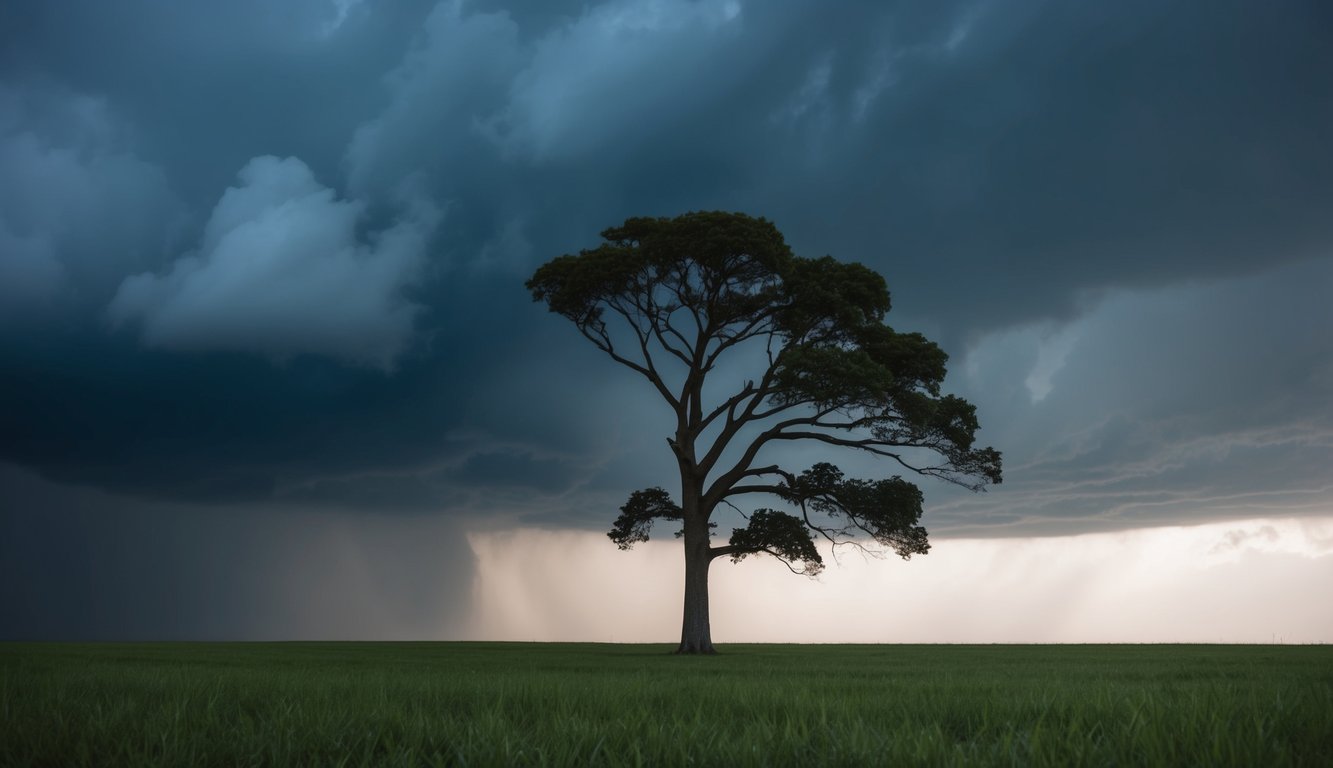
{"points": [[281, 270], [1052, 352]]}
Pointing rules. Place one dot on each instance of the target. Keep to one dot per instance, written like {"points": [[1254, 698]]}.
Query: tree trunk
{"points": [[695, 635]]}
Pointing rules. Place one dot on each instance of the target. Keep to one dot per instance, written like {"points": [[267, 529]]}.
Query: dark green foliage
{"points": [[638, 514], [885, 510], [651, 268], [534, 704], [668, 298], [780, 535]]}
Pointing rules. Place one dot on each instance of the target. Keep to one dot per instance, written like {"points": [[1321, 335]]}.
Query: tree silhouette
{"points": [[672, 298]]}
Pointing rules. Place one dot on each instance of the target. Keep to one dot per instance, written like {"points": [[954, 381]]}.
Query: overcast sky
{"points": [[268, 368]]}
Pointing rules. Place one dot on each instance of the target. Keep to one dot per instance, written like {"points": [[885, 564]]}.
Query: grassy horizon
{"points": [[479, 703]]}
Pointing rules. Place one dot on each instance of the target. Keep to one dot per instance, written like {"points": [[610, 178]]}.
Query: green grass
{"points": [[234, 704]]}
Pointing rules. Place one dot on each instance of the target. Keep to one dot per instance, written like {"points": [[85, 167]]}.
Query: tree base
{"points": [[695, 649]]}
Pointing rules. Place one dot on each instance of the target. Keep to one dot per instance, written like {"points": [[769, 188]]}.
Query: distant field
{"points": [[232, 704]]}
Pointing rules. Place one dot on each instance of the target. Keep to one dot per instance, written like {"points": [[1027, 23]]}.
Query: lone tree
{"points": [[671, 298]]}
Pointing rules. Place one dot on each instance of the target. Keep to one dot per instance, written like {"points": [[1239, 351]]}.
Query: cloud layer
{"points": [[78, 208], [1114, 218], [281, 270]]}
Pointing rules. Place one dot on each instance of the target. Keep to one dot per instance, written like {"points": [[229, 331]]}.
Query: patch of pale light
{"points": [[652, 15], [1052, 352], [962, 29], [879, 78], [1251, 581], [958, 35], [810, 94], [1042, 349], [341, 10], [568, 586]]}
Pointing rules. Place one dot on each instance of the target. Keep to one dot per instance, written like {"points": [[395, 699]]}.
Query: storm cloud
{"points": [[78, 206], [280, 271], [260, 257]]}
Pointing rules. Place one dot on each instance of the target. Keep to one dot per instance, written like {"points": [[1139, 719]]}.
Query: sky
{"points": [[268, 369]]}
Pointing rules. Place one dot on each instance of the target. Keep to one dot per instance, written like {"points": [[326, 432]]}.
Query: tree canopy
{"points": [[669, 297]]}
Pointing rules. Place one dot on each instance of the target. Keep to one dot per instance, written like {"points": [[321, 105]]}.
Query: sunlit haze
{"points": [[1216, 583]]}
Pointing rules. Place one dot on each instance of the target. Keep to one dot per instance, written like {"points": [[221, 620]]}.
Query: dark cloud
{"points": [[1203, 401], [1056, 150], [1046, 186], [453, 73], [78, 208]]}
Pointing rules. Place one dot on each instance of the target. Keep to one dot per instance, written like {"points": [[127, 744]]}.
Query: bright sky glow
{"points": [[1226, 582]]}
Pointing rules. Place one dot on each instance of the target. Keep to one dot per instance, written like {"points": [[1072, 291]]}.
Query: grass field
{"points": [[564, 704]]}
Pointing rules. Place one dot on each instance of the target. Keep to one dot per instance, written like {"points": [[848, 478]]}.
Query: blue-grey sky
{"points": [[262, 316]]}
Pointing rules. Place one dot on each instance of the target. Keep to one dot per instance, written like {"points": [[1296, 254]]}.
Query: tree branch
{"points": [[603, 342]]}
